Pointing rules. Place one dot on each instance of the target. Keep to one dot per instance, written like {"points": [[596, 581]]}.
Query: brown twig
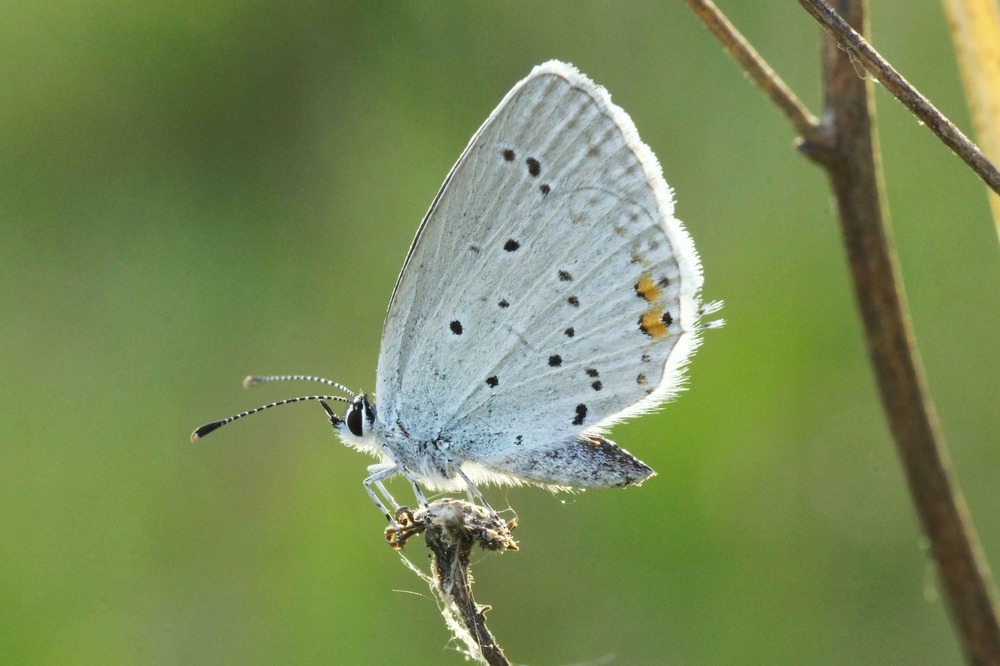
{"points": [[847, 148], [849, 39], [451, 528], [761, 73], [856, 180]]}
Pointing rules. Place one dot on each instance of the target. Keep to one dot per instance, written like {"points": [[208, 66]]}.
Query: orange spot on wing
{"points": [[652, 323], [647, 289]]}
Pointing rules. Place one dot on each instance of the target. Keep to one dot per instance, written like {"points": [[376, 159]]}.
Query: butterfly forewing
{"points": [[549, 290]]}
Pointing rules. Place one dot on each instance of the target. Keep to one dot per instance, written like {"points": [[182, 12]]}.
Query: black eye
{"points": [[354, 420]]}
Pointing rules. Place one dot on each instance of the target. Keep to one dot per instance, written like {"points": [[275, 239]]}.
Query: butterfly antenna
{"points": [[253, 380], [215, 425]]}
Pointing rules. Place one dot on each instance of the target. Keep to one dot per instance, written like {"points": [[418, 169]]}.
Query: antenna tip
{"points": [[205, 429], [249, 381]]}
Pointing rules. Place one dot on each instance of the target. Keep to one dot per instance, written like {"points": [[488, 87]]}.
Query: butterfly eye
{"points": [[354, 419]]}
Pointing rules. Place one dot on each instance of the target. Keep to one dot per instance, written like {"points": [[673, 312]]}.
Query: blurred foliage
{"points": [[194, 191]]}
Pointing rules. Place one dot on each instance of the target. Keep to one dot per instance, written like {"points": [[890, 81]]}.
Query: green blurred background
{"points": [[194, 191]]}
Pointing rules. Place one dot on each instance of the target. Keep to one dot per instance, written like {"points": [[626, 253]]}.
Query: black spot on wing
{"points": [[565, 276], [534, 167], [581, 414], [592, 372], [555, 360], [570, 332], [574, 301], [456, 327], [492, 382], [503, 303], [508, 155], [511, 245], [544, 189]]}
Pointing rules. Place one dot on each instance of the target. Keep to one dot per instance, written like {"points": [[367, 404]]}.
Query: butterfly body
{"points": [[586, 462]]}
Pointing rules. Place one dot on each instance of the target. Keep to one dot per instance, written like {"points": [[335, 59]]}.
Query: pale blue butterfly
{"points": [[549, 293]]}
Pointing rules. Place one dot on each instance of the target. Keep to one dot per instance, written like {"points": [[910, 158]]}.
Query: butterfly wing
{"points": [[549, 291]]}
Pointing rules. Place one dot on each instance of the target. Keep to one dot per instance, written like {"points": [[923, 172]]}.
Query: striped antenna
{"points": [[253, 380], [215, 425]]}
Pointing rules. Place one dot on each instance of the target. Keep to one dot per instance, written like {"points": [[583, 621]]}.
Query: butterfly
{"points": [[549, 293]]}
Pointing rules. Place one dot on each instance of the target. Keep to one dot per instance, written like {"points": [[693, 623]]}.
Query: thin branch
{"points": [[451, 528], [894, 82], [848, 150], [762, 74], [856, 180]]}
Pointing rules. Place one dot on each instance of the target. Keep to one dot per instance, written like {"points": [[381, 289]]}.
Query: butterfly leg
{"points": [[474, 492], [421, 498], [402, 523], [386, 494], [376, 474]]}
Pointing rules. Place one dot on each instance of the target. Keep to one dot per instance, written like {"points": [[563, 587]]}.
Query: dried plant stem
{"points": [[854, 172], [451, 529], [845, 144]]}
